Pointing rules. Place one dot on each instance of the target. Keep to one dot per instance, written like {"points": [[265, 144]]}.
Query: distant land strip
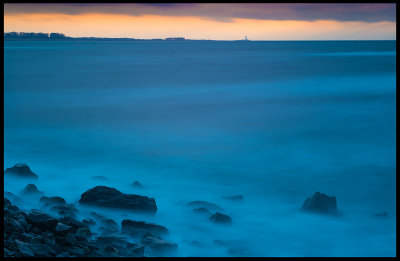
{"points": [[21, 36]]}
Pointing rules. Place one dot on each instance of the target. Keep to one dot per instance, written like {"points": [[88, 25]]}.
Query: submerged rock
{"points": [[234, 198], [31, 189], [139, 228], [205, 204], [100, 178], [137, 184], [382, 214], [103, 196], [221, 218], [21, 170], [202, 211], [322, 204]]}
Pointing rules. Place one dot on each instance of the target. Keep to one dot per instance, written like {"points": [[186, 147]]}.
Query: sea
{"points": [[273, 121]]}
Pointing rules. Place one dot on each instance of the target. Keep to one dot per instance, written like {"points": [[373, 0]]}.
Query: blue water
{"points": [[194, 120]]}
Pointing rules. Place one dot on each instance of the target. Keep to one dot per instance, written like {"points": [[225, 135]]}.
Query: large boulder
{"points": [[139, 228], [322, 204], [21, 170], [221, 218], [103, 196]]}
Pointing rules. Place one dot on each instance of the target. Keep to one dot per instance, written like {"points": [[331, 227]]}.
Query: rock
{"points": [[149, 234], [160, 246], [76, 251], [110, 223], [111, 198], [62, 229], [382, 214], [137, 251], [322, 204], [205, 204], [41, 220], [239, 252], [75, 224], [89, 222], [107, 231], [83, 232], [31, 189], [110, 251], [233, 198], [42, 250], [202, 211], [23, 248], [221, 218], [13, 198], [21, 170], [137, 184], [102, 178], [139, 228], [68, 210], [97, 216], [53, 200]]}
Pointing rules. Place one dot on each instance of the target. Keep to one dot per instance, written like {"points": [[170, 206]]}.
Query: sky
{"points": [[261, 21]]}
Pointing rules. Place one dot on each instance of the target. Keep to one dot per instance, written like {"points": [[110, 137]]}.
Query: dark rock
{"points": [[68, 210], [160, 246], [108, 231], [13, 198], [110, 251], [202, 211], [205, 204], [221, 218], [41, 220], [382, 214], [77, 251], [137, 184], [137, 251], [100, 178], [97, 216], [21, 170], [42, 250], [139, 228], [63, 229], [111, 198], [110, 223], [89, 222], [75, 224], [149, 234], [322, 204], [31, 189], [233, 198], [239, 252], [53, 200], [23, 248], [83, 232]]}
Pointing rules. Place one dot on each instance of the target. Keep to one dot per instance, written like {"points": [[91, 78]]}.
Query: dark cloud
{"points": [[225, 12]]}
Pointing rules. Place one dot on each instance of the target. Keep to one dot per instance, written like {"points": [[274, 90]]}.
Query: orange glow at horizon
{"points": [[190, 27]]}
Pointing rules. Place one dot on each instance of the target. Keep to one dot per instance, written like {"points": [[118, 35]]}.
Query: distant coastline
{"points": [[22, 36]]}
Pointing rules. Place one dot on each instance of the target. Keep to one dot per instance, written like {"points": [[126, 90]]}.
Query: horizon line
{"points": [[176, 37]]}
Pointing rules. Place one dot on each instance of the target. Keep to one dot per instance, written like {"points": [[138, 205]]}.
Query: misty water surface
{"points": [[197, 120]]}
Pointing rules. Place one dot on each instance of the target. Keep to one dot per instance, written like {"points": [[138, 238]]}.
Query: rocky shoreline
{"points": [[56, 231]]}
